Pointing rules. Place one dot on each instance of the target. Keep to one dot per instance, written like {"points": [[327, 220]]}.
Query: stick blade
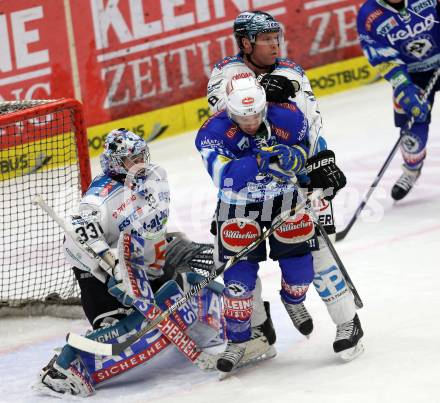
{"points": [[340, 235], [90, 346]]}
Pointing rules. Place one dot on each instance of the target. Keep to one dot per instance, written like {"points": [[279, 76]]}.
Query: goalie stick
{"points": [[342, 234], [171, 331], [81, 342]]}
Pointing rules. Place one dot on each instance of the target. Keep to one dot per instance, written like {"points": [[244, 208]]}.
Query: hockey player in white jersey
{"points": [[123, 215], [259, 37]]}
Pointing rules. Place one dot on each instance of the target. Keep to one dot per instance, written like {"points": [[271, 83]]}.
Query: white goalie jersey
{"points": [[235, 67], [111, 208]]}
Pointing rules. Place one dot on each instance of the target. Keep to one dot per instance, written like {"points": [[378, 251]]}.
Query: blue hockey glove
{"points": [[409, 97], [269, 163], [290, 158]]}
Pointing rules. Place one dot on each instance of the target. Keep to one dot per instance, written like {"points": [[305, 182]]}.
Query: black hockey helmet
{"points": [[249, 24]]}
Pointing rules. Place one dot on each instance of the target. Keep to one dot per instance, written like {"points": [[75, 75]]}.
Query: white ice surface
{"points": [[390, 254]]}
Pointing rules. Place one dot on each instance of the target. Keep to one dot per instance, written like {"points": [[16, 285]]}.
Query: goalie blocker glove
{"points": [[324, 174], [278, 88]]}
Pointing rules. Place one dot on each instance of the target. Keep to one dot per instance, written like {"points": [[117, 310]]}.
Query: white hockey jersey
{"points": [[234, 66], [111, 208]]}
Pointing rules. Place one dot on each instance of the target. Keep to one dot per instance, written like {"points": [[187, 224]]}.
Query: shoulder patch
{"points": [[228, 60], [284, 62], [287, 105], [103, 186]]}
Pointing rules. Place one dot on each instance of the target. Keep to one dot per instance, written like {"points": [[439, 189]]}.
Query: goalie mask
{"points": [[246, 103], [251, 23], [124, 153]]}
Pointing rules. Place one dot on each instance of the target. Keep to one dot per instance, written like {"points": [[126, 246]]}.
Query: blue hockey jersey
{"points": [[400, 42], [230, 158]]}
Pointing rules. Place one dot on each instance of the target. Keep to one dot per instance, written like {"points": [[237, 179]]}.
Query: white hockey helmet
{"points": [[245, 98]]}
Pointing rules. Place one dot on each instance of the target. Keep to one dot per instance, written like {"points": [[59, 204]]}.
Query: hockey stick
{"points": [[342, 234], [117, 348], [357, 298]]}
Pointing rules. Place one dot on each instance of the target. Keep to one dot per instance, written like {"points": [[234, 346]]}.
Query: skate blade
{"points": [[270, 353], [352, 353], [41, 389]]}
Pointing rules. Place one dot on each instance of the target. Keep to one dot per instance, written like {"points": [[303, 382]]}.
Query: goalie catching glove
{"points": [[324, 174]]}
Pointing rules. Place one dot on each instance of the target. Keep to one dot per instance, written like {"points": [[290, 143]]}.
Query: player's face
{"points": [[249, 124], [266, 48], [135, 163]]}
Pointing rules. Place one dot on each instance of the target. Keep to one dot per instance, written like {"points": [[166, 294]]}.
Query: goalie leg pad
{"points": [[331, 286]]}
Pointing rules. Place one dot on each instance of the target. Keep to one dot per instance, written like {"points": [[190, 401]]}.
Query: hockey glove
{"points": [[278, 88], [409, 97], [291, 159], [324, 174], [268, 164], [117, 289]]}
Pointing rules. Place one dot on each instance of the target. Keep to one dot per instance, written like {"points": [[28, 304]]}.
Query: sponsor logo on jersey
{"points": [[242, 75], [286, 105], [295, 230], [412, 31], [386, 26], [238, 308], [243, 143], [206, 142], [281, 133], [372, 17], [124, 205], [421, 5], [237, 233], [135, 215], [230, 134]]}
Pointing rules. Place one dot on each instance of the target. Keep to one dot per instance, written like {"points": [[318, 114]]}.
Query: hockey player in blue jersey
{"points": [[259, 37], [254, 152], [401, 38]]}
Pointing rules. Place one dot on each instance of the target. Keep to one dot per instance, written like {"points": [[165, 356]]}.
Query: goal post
{"points": [[43, 150]]}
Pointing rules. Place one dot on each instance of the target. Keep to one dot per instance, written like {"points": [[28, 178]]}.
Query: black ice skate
{"points": [[266, 329], [300, 317], [348, 344], [405, 183], [231, 356]]}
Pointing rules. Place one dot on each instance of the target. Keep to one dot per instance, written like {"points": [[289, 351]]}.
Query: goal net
{"points": [[43, 151]]}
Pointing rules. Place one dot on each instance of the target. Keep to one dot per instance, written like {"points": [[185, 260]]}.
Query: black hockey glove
{"points": [[324, 174], [278, 88]]}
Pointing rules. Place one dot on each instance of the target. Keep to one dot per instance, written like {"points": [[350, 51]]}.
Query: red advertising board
{"points": [[34, 50], [134, 56]]}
